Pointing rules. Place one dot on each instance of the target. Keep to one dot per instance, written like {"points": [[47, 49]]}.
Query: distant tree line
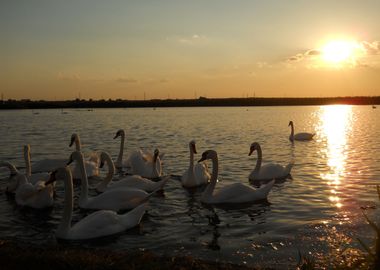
{"points": [[202, 101]]}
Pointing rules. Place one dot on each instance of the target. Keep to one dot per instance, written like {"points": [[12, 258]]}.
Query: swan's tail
{"points": [[133, 217], [264, 190], [288, 168], [161, 183]]}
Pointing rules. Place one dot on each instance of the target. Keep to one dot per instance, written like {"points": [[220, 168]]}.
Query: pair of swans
{"points": [[139, 162], [195, 175], [268, 171], [230, 194], [130, 181], [113, 199], [36, 195], [98, 224], [302, 136]]}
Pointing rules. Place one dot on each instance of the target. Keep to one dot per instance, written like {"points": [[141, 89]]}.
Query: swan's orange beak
{"points": [[251, 151], [117, 135], [72, 141]]}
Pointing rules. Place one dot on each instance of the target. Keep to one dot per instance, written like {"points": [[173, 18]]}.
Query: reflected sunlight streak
{"points": [[335, 125]]}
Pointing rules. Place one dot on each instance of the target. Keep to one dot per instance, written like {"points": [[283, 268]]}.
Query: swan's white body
{"points": [[302, 136], [268, 171], [231, 194], [98, 224], [131, 181], [35, 177], [195, 175], [116, 199], [91, 165], [145, 164]]}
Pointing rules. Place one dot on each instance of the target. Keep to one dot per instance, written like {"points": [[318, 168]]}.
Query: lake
{"points": [[318, 212]]}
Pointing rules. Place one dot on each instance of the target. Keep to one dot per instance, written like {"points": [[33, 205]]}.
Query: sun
{"points": [[338, 51]]}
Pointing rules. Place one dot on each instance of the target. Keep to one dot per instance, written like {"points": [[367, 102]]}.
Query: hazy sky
{"points": [[181, 49]]}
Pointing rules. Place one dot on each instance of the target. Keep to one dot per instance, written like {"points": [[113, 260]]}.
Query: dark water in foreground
{"points": [[318, 211]]}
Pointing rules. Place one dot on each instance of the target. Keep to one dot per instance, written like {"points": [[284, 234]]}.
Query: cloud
{"points": [[304, 55], [193, 40], [68, 77], [126, 80], [371, 48]]}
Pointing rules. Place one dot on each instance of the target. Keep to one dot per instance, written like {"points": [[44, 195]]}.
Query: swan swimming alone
{"points": [[115, 199], [98, 224], [268, 171], [302, 136], [146, 164], [195, 175], [91, 165], [130, 181], [230, 194]]}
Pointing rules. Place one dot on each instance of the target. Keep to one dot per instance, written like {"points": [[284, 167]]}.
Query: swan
{"points": [[197, 174], [146, 164], [268, 171], [14, 177], [231, 194], [36, 195], [35, 177], [115, 199], [91, 165], [131, 181], [302, 136], [98, 224]]}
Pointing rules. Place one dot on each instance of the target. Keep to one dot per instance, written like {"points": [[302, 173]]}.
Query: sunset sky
{"points": [[184, 49]]}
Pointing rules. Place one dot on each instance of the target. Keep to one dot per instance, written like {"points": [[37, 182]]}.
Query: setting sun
{"points": [[339, 51]]}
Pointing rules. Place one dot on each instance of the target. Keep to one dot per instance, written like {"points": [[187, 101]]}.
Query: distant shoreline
{"points": [[200, 102]]}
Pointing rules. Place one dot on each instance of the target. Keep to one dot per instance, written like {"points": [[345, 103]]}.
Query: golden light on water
{"points": [[335, 126]]}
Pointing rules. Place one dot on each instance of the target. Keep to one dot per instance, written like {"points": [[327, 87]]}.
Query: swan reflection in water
{"points": [[336, 122]]}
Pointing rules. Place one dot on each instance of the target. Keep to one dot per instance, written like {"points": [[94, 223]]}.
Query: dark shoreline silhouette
{"points": [[200, 102]]}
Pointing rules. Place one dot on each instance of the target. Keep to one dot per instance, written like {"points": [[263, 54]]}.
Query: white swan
{"points": [[146, 164], [91, 165], [231, 194], [131, 181], [35, 177], [268, 171], [98, 224], [36, 195], [116, 199], [302, 136], [197, 174]]}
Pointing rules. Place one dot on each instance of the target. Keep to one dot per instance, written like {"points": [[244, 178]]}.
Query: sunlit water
{"points": [[318, 212]]}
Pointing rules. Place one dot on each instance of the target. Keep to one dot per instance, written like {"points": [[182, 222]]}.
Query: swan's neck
{"points": [[207, 194], [259, 159], [83, 182], [65, 224], [191, 165], [155, 171], [291, 131], [119, 161], [78, 145], [28, 167], [111, 171]]}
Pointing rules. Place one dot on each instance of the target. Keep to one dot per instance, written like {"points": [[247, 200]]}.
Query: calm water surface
{"points": [[318, 211]]}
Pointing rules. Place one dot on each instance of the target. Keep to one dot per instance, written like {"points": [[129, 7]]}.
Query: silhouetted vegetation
{"points": [[202, 101]]}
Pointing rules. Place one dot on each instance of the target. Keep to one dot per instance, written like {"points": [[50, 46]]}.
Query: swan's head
{"points": [[60, 173], [76, 155], [254, 146], [192, 146], [290, 123], [119, 133], [74, 137], [209, 154]]}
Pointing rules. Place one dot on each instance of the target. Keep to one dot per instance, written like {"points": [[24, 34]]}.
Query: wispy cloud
{"points": [[195, 39], [68, 77], [126, 80]]}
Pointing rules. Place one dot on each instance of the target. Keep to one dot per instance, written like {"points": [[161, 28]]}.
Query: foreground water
{"points": [[317, 212]]}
